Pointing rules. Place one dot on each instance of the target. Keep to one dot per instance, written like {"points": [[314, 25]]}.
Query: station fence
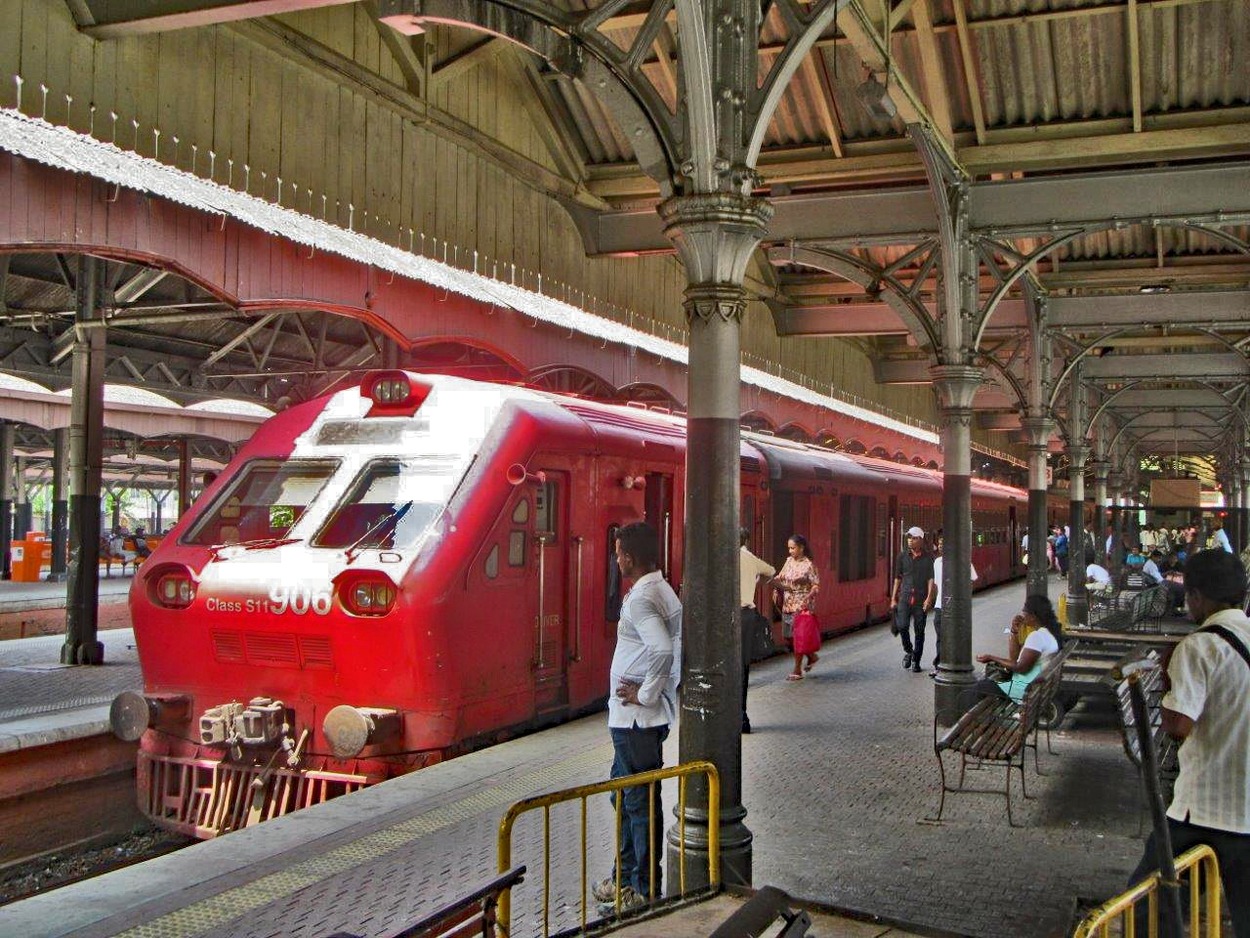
{"points": [[581, 795], [1204, 916]]}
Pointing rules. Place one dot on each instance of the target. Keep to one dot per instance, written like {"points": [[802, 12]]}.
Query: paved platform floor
{"points": [[839, 777]]}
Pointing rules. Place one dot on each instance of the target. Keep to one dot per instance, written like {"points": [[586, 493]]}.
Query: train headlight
{"points": [[367, 594], [172, 586], [394, 393]]}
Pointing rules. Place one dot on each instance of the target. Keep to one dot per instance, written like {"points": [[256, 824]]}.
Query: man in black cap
{"points": [[912, 597]]}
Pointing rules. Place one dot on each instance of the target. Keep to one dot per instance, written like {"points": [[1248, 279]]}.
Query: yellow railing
{"points": [[1123, 908], [582, 794]]}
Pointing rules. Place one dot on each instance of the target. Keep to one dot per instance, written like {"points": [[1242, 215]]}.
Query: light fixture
{"points": [[875, 99], [1155, 288]]}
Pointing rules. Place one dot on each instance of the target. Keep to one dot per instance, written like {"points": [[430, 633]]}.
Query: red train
{"points": [[408, 568]]}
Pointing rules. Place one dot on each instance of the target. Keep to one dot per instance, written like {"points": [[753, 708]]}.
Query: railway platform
{"points": [[839, 778]]}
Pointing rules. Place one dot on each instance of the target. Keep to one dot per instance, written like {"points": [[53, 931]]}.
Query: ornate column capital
{"points": [[956, 385], [1039, 429], [715, 233]]}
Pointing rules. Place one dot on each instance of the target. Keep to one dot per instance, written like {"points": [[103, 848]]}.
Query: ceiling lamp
{"points": [[1155, 288], [876, 99]]}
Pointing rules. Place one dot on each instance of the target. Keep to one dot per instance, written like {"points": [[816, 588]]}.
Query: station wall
{"points": [[318, 100]]}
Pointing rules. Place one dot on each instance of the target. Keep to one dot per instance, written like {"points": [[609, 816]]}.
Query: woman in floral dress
{"points": [[799, 581]]}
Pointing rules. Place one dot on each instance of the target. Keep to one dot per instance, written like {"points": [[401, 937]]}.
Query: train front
{"points": [[280, 624]]}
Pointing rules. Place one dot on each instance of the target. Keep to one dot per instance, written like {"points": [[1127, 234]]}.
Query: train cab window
{"points": [[545, 508], [392, 504], [521, 513], [265, 500], [491, 566], [516, 548], [855, 556]]}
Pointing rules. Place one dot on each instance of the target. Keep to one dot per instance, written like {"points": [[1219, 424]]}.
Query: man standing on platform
{"points": [[646, 669], [750, 569], [912, 597], [1206, 708]]}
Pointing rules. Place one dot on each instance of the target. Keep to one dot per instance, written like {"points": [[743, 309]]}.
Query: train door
{"points": [[550, 535], [783, 526], [658, 512]]}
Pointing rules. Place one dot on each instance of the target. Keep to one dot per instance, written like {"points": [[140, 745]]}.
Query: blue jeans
{"points": [[639, 750]]}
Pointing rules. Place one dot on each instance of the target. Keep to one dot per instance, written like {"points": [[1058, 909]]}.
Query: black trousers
{"points": [[1232, 851], [753, 625], [910, 619]]}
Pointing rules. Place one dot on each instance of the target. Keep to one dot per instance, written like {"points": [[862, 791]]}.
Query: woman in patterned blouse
{"points": [[799, 581]]}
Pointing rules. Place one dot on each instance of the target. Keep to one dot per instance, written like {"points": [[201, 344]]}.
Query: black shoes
{"points": [[907, 661], [746, 727], [916, 668]]}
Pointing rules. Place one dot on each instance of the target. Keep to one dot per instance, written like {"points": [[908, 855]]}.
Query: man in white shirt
{"points": [[642, 702], [1097, 578], [937, 603], [750, 569], [1150, 569], [1206, 708]]}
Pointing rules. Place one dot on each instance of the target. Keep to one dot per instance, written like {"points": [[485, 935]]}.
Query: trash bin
{"points": [[27, 557]]}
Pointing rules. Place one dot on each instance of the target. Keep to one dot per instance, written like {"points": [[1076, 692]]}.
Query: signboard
{"points": [[1175, 493]]}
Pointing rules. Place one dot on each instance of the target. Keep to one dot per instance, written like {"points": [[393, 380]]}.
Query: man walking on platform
{"points": [[750, 569], [1206, 708], [912, 597], [646, 669]]}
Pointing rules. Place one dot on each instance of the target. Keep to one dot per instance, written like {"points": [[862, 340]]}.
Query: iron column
{"points": [[86, 459], [715, 235], [8, 433], [1039, 430], [60, 520], [955, 386]]}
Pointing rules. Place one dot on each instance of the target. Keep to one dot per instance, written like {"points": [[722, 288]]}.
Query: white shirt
{"points": [[1098, 575], [1211, 686], [648, 652], [937, 578], [1150, 570], [1220, 537], [750, 568]]}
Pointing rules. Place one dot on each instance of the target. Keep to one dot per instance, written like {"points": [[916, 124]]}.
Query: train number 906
{"points": [[299, 599]]}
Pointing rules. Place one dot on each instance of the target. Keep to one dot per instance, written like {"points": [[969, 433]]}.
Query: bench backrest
{"points": [[1151, 678], [1040, 693]]}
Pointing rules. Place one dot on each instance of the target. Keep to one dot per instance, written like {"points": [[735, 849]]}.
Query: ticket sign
{"points": [[1175, 493]]}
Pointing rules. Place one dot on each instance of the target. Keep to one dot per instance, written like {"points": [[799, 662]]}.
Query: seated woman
{"points": [[1034, 635]]}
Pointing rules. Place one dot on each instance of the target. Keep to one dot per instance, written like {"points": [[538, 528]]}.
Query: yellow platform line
{"points": [[199, 917]]}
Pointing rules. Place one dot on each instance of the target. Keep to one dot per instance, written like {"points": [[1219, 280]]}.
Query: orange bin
{"points": [[28, 557]]}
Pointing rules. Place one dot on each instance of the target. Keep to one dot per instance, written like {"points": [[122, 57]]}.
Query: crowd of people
{"points": [[1206, 705]]}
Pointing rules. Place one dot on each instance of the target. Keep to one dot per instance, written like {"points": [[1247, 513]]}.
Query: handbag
{"points": [[997, 672], [806, 636]]}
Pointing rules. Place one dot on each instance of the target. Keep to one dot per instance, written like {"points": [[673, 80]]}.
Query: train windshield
{"points": [[265, 502], [392, 504]]}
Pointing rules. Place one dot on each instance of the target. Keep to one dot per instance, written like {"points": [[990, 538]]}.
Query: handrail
{"points": [[1124, 906], [582, 793]]}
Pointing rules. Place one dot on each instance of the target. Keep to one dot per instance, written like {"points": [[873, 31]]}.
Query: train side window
{"points": [[491, 567], [612, 591], [516, 548], [521, 513]]}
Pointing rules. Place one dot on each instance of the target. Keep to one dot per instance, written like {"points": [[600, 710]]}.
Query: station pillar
{"points": [[1243, 506], [8, 433], [955, 386], [60, 510], [86, 459], [1078, 598], [715, 235], [1038, 430], [1101, 468]]}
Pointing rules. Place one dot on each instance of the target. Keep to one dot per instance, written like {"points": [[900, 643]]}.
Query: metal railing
{"points": [[1203, 869], [582, 794]]}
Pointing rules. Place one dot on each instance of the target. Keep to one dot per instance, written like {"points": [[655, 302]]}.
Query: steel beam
{"points": [[860, 319], [1222, 307], [109, 19], [1038, 205], [1211, 366]]}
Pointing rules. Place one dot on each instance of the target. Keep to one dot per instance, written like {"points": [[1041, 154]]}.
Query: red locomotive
{"points": [[408, 568]]}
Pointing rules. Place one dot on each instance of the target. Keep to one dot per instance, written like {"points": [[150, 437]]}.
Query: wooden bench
{"points": [[108, 556], [471, 914], [997, 729], [1152, 682]]}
